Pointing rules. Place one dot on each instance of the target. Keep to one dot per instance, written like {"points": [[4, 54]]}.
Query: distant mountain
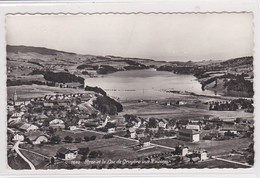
{"points": [[236, 62], [248, 60], [29, 49]]}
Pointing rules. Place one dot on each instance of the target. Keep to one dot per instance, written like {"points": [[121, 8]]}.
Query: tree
{"points": [[107, 136], [52, 160], [152, 123], [178, 150], [93, 137], [110, 125], [95, 154], [68, 139], [27, 140], [78, 140], [51, 130], [86, 138], [83, 151], [238, 120], [55, 139], [45, 123]]}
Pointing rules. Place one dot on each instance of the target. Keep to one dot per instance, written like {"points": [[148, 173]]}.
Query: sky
{"points": [[169, 37]]}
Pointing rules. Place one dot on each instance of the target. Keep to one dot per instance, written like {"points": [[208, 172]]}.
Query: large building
{"points": [[188, 135]]}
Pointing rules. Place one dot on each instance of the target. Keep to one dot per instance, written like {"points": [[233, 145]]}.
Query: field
{"points": [[113, 148], [37, 160], [212, 164], [16, 162], [33, 91], [213, 147], [238, 158], [193, 109]]}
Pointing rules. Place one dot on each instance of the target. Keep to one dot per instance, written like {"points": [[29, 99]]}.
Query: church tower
{"points": [[15, 97]]}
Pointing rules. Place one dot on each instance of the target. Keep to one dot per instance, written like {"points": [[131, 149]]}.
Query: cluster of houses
{"points": [[31, 115], [17, 67], [57, 112], [231, 105], [187, 155], [30, 125], [187, 130]]}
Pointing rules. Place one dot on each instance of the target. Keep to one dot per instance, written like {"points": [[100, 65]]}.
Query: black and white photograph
{"points": [[134, 90]]}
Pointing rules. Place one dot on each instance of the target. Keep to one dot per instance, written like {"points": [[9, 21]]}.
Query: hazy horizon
{"points": [[163, 37], [130, 56]]}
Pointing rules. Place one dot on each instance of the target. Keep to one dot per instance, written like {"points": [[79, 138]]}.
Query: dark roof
{"points": [[144, 139], [36, 134], [32, 138], [68, 149], [189, 131], [63, 150]]}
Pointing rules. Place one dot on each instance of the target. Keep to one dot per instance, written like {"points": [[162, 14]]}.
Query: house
{"points": [[103, 121], [203, 155], [90, 124], [242, 127], [28, 127], [47, 97], [156, 129], [182, 103], [57, 123], [60, 97], [193, 127], [17, 114], [72, 127], [16, 119], [53, 98], [81, 122], [162, 123], [137, 122], [188, 135], [195, 159], [23, 109], [111, 130], [144, 142], [26, 102], [18, 137], [185, 151], [37, 137], [18, 102], [120, 120], [85, 97], [84, 116], [139, 136], [63, 104], [132, 132], [47, 104], [232, 130], [10, 108], [40, 117], [67, 153]]}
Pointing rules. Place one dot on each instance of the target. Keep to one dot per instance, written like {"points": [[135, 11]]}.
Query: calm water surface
{"points": [[146, 84]]}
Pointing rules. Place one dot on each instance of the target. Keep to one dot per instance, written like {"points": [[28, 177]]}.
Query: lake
{"points": [[145, 84]]}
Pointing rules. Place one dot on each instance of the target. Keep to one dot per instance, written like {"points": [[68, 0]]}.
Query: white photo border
{"points": [[128, 7]]}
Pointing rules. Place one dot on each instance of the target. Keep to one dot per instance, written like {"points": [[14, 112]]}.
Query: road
{"points": [[47, 157], [234, 162], [16, 148]]}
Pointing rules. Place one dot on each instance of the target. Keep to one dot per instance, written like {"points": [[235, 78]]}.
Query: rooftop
{"points": [[189, 131]]}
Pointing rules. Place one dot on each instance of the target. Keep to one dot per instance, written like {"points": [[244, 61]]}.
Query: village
{"points": [[69, 124]]}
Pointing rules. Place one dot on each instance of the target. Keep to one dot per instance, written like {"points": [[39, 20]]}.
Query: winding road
{"points": [[16, 148]]}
